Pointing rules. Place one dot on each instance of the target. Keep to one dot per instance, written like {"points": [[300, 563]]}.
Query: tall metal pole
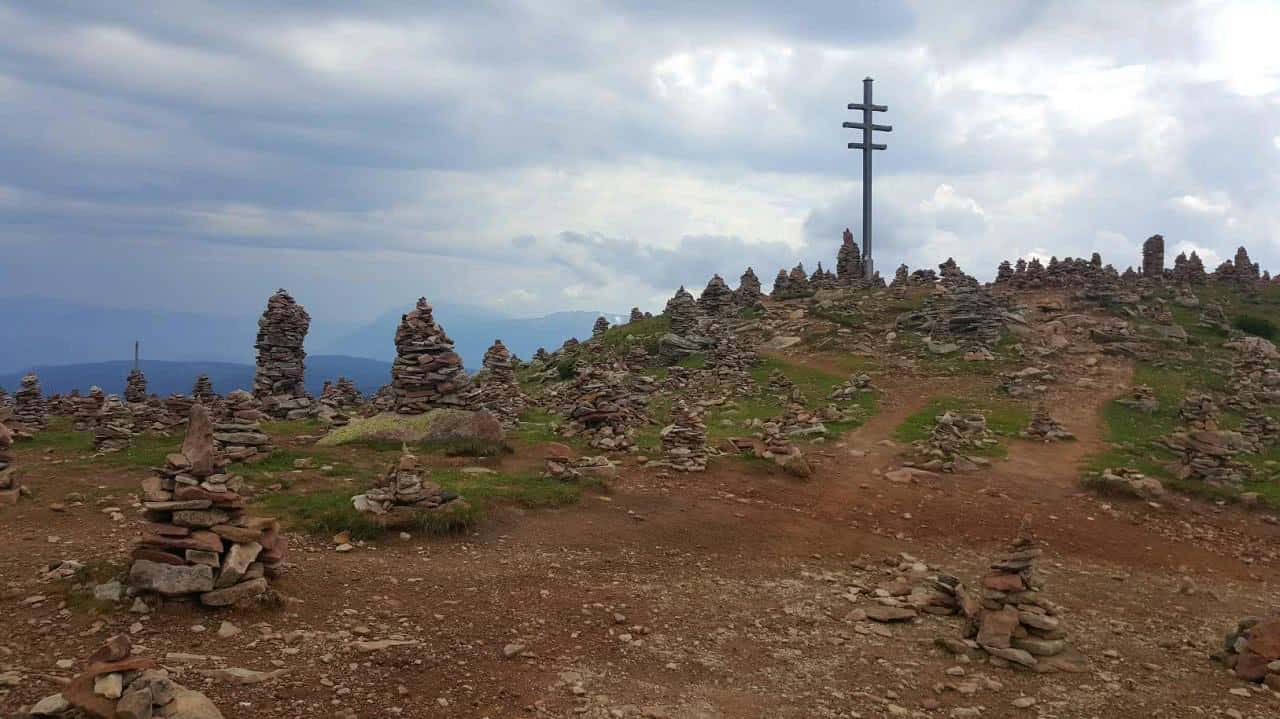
{"points": [[867, 146], [136, 344]]}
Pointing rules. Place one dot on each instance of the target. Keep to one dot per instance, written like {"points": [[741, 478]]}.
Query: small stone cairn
{"points": [[1206, 453], [135, 387], [636, 315], [238, 434], [427, 372], [10, 491], [684, 441], [716, 300], [84, 410], [952, 438], [748, 293], [1252, 650], [116, 683], [600, 405], [856, 386], [202, 391], [600, 327], [198, 543], [278, 380], [1143, 399], [113, 429], [29, 409], [1045, 428], [779, 448], [849, 267], [1015, 623], [342, 394], [498, 391], [780, 384], [406, 487], [683, 313]]}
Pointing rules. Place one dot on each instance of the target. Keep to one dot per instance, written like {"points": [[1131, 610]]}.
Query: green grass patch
{"points": [[291, 427], [1004, 418], [144, 452], [696, 360], [1255, 325], [621, 337], [60, 437]]}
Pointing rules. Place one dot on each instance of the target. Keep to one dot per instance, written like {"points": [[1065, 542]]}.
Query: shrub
{"points": [[1254, 325]]}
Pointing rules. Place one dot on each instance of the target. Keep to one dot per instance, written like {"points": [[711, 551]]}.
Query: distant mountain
{"points": [[165, 377], [472, 334]]}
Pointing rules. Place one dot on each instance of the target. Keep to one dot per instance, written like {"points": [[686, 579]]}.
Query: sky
{"points": [[538, 156]]}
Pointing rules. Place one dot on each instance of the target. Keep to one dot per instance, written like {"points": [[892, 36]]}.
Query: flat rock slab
{"points": [[234, 593], [171, 580], [881, 613]]}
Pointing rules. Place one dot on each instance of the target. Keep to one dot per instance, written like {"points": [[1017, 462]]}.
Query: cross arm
{"points": [[874, 108], [861, 146], [863, 126]]}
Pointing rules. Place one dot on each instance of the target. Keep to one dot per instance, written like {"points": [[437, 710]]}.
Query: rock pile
{"points": [[1189, 270], [342, 394], [951, 440], [777, 446], [278, 380], [1240, 271], [855, 386], [636, 315], [500, 363], [1045, 428], [1025, 383], [1015, 623], [202, 391], [427, 373], [950, 275], [1130, 481], [9, 489], [1198, 411], [1143, 399], [849, 268], [498, 391], [684, 441], [1209, 455], [600, 327], [901, 278], [599, 404], [113, 429], [1252, 650], [406, 487], [238, 435], [716, 300], [84, 410], [683, 313], [967, 316], [789, 286], [748, 293], [198, 542], [29, 409], [135, 387], [780, 384], [119, 685], [560, 466], [1153, 258]]}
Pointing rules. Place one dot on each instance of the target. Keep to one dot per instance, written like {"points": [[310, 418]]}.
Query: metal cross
{"points": [[867, 147]]}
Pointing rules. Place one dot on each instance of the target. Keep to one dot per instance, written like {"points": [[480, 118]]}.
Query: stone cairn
{"points": [[29, 409], [748, 293], [427, 372], [683, 313], [113, 430], [1252, 650], [779, 448], [684, 441], [599, 404], [901, 277], [849, 267], [1240, 271], [84, 410], [822, 279], [238, 434], [1143, 399], [342, 394], [9, 489], [636, 315], [950, 275], [116, 683], [716, 300], [278, 380], [406, 487], [952, 437], [1206, 453], [198, 542], [202, 391], [1189, 270], [600, 327], [1045, 428], [1153, 258], [135, 387], [1015, 623], [499, 393], [856, 386]]}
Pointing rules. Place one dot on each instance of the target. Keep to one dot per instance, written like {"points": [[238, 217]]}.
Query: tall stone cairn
{"points": [[717, 299], [29, 409], [198, 542], [135, 387], [427, 372], [113, 430], [748, 293], [636, 315], [1241, 270], [683, 313], [84, 410], [500, 363], [901, 278], [849, 267], [202, 391], [278, 382], [600, 327], [9, 489], [781, 285], [1014, 622], [1153, 258], [684, 441]]}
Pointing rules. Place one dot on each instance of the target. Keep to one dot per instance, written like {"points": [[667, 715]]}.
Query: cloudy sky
{"points": [[545, 155]]}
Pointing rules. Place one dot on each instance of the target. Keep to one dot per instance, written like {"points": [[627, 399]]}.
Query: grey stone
{"points": [[170, 580]]}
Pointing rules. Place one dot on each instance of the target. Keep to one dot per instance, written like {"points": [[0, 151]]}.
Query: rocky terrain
{"points": [[1054, 495]]}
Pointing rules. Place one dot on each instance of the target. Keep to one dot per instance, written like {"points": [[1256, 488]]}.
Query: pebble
{"points": [[1024, 702]]}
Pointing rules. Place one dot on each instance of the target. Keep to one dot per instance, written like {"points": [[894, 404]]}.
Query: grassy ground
{"points": [[1005, 418]]}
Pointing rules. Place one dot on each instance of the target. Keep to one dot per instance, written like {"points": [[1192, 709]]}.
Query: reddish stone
{"points": [[158, 556], [187, 492], [201, 539], [233, 533], [166, 530], [1251, 667], [1003, 582], [275, 547], [996, 629], [115, 649], [1264, 639]]}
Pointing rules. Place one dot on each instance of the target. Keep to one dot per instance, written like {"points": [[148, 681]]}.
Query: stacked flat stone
{"points": [[1252, 650], [798, 421], [1153, 258], [683, 313], [342, 394], [9, 489], [849, 268], [1238, 271], [637, 358], [951, 440], [600, 405], [950, 275], [781, 286], [1015, 623], [84, 411], [780, 384], [113, 430], [1189, 270], [178, 408], [684, 441], [151, 415], [1198, 411], [600, 327], [29, 408], [1143, 399], [748, 293], [500, 363], [135, 387], [238, 434], [716, 300], [1045, 428], [116, 683], [901, 277], [202, 391], [427, 372], [542, 355], [969, 317], [278, 382], [499, 393], [406, 487], [778, 446], [822, 280], [853, 388], [636, 315], [198, 543]]}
